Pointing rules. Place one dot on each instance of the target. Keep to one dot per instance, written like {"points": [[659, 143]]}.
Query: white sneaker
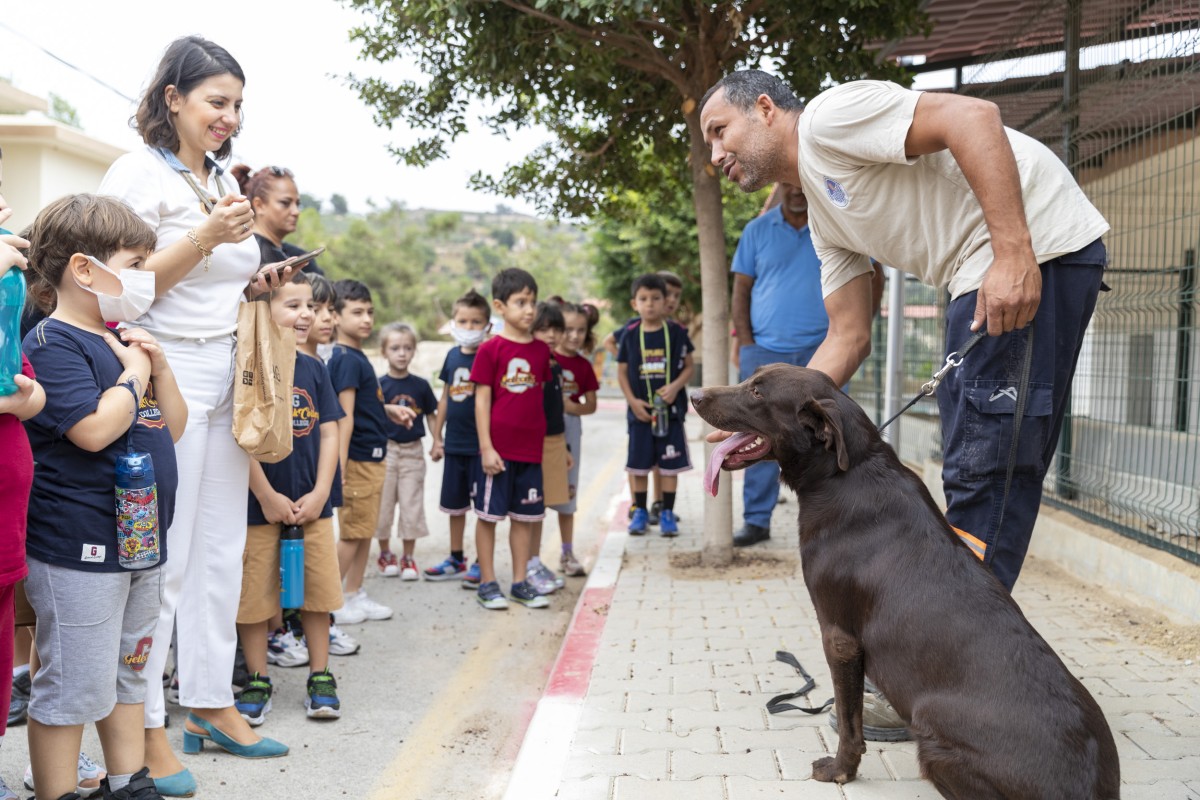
{"points": [[7, 793], [370, 609], [340, 644], [90, 775], [349, 613], [283, 650]]}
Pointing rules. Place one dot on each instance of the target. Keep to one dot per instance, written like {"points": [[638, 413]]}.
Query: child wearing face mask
{"points": [[469, 325], [107, 394]]}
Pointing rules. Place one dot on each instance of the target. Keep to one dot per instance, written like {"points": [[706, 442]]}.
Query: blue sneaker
{"points": [[448, 570], [528, 596], [473, 577], [322, 700], [639, 522], [667, 524], [255, 700], [490, 596]]}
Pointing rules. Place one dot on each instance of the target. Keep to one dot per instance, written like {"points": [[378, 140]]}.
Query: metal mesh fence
{"points": [[1113, 87]]}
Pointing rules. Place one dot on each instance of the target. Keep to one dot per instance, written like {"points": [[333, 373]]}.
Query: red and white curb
{"points": [[539, 766]]}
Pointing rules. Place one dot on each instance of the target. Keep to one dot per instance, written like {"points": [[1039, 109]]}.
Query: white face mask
{"points": [[137, 293], [466, 338]]}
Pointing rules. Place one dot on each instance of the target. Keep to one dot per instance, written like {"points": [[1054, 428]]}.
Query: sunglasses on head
{"points": [[280, 172]]}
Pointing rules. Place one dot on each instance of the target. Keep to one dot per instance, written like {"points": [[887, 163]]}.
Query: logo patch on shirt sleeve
{"points": [[837, 193]]}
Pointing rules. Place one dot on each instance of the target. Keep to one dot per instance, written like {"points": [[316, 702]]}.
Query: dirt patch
{"points": [[1123, 617], [746, 566]]}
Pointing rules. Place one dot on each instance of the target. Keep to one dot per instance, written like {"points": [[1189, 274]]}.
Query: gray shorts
{"points": [[94, 632], [574, 442]]}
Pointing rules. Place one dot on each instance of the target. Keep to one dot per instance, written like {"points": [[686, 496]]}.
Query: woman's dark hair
{"points": [[95, 225], [257, 185], [186, 64]]}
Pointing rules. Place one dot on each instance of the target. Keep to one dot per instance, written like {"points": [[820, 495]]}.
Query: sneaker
{"points": [[881, 722], [18, 706], [7, 793], [321, 700], [370, 609], [655, 512], [527, 596], [489, 596], [559, 581], [349, 613], [140, 787], [639, 522], [569, 565], [668, 525], [449, 569], [89, 776], [388, 565], [537, 580], [473, 577], [408, 569], [342, 643], [284, 651], [255, 700]]}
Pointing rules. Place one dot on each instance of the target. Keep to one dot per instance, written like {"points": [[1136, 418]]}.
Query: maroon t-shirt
{"points": [[16, 465], [516, 372], [578, 376]]}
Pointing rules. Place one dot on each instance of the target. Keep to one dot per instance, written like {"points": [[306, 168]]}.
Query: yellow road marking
{"points": [[420, 757]]}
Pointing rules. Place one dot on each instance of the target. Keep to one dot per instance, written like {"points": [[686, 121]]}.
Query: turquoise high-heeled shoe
{"points": [[194, 742], [181, 784]]}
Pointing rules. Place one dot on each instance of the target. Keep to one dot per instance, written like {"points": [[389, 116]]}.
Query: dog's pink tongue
{"points": [[712, 473]]}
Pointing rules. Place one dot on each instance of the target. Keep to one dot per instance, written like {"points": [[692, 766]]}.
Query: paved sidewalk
{"points": [[674, 706]]}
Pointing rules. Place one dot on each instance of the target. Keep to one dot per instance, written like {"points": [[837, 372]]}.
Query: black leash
{"points": [[779, 702], [930, 386]]}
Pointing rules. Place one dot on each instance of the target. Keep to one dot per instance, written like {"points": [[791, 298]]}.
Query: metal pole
{"points": [[1064, 485], [1183, 338], [894, 364]]}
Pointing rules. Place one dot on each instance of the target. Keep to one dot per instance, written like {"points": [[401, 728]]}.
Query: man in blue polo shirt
{"points": [[779, 318]]}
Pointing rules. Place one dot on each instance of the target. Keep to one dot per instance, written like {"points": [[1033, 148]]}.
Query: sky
{"points": [[299, 112]]}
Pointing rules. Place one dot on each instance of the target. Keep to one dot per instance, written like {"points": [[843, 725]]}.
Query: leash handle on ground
{"points": [[779, 702]]}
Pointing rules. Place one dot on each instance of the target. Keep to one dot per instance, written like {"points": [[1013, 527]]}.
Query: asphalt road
{"points": [[435, 704]]}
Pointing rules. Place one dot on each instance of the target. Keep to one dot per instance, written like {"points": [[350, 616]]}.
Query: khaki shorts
{"points": [[260, 571], [404, 487], [362, 494], [23, 616], [555, 486]]}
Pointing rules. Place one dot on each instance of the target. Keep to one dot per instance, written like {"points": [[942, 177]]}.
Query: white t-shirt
{"points": [[203, 304], [866, 198]]}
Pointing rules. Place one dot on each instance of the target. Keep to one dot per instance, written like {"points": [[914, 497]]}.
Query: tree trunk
{"points": [[714, 283]]}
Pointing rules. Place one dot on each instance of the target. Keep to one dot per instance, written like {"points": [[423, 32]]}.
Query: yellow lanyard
{"points": [[666, 356]]}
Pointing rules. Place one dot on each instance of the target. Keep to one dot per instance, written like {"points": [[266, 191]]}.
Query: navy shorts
{"points": [[456, 484], [516, 492], [646, 451]]}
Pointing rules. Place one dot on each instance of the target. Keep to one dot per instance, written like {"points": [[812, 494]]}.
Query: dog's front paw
{"points": [[829, 771]]}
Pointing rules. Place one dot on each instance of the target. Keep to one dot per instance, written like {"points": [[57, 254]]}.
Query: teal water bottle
{"points": [[12, 305], [291, 566]]}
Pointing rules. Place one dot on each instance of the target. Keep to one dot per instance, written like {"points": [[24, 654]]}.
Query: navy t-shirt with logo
{"points": [[72, 509], [653, 367], [462, 437], [412, 392], [349, 368], [313, 403]]}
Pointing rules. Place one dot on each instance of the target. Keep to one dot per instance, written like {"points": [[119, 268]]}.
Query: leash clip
{"points": [[930, 386]]}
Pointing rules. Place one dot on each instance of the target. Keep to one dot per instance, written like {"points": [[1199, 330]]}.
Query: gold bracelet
{"points": [[194, 239]]}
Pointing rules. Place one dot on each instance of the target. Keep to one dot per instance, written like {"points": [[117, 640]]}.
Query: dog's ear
{"points": [[825, 421]]}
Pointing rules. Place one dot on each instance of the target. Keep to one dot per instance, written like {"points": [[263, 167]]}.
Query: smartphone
{"points": [[297, 260]]}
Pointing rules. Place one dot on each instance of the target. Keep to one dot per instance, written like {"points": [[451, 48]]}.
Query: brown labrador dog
{"points": [[901, 599]]}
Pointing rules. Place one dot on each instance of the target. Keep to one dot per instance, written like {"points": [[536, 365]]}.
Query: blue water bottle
{"points": [[291, 566], [12, 305], [137, 511]]}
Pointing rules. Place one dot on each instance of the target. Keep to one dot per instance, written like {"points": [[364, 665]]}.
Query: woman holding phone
{"points": [[275, 201], [204, 261]]}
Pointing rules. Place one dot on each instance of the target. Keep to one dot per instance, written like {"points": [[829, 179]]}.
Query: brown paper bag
{"points": [[262, 391]]}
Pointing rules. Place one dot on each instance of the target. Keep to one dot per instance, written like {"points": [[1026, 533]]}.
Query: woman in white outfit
{"points": [[204, 261]]}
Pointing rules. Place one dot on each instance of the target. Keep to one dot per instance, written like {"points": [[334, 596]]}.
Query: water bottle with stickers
{"points": [[137, 511]]}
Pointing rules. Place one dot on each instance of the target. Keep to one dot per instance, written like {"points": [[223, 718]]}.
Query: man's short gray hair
{"points": [[744, 87]]}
